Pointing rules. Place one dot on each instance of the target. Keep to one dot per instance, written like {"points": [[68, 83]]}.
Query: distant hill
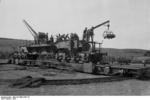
{"points": [[124, 52], [9, 45]]}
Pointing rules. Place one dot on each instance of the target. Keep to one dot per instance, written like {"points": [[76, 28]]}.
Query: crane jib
{"points": [[101, 24], [30, 28]]}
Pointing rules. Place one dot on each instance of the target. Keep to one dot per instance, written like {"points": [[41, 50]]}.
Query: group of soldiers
{"points": [[63, 37], [88, 34]]}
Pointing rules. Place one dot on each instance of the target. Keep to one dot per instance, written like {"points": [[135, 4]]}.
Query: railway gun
{"points": [[67, 51]]}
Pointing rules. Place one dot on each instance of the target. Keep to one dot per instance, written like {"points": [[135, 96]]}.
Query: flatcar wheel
{"points": [[106, 70], [98, 70]]}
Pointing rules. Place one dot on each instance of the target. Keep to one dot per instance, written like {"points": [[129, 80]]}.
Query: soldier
{"points": [[91, 33], [51, 39], [58, 38], [66, 37], [85, 34]]}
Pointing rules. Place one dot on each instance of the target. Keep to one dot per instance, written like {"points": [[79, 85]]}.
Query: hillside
{"points": [[8, 45], [124, 52]]}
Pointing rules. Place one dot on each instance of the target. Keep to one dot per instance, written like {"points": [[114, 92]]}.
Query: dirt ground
{"points": [[126, 87]]}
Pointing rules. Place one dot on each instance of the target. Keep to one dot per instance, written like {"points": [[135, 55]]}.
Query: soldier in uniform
{"points": [[91, 33], [51, 39], [85, 34]]}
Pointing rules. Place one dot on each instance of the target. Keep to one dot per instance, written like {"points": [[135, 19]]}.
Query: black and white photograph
{"points": [[74, 48]]}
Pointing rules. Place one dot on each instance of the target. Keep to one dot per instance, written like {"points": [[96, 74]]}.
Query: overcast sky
{"points": [[130, 19]]}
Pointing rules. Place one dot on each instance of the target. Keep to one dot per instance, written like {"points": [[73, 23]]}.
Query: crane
{"points": [[32, 31], [89, 33]]}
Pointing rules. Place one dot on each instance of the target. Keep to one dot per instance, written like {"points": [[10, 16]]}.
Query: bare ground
{"points": [[126, 87]]}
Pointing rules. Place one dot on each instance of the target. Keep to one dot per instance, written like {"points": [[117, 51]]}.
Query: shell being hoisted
{"points": [[108, 34]]}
